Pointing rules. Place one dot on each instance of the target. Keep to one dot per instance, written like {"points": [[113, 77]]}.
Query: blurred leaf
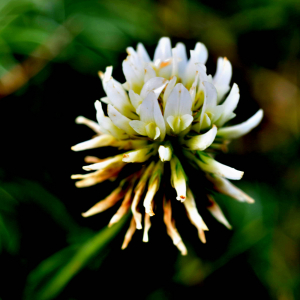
{"points": [[249, 232], [9, 235], [28, 191], [260, 18], [53, 274], [193, 270]]}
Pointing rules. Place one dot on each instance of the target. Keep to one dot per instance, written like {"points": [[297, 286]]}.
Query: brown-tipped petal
{"points": [[92, 159], [87, 182], [194, 215], [178, 178], [93, 125], [181, 247], [216, 211], [148, 201], [95, 177], [101, 75], [129, 234], [225, 187], [136, 214], [171, 229], [153, 187], [139, 192], [147, 226], [106, 203], [125, 206]]}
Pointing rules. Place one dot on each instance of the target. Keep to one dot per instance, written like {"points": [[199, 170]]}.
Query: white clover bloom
{"points": [[167, 114]]}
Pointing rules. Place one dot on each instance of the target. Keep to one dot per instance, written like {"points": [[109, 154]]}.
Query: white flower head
{"points": [[169, 114]]}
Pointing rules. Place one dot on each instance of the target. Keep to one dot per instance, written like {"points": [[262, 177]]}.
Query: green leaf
{"points": [[9, 235]]}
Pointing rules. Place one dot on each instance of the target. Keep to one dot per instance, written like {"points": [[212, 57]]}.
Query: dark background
{"points": [[50, 53]]}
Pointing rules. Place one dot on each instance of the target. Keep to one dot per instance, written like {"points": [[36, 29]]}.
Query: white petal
{"points": [[152, 189], [149, 73], [225, 187], [163, 57], [178, 178], [147, 225], [131, 144], [210, 165], [194, 215], [159, 120], [157, 133], [99, 109], [181, 53], [206, 122], [135, 99], [93, 125], [175, 62], [171, 122], [139, 127], [150, 112], [152, 130], [222, 77], [119, 120], [239, 130], [193, 88], [139, 190], [232, 100], [210, 100], [200, 53], [106, 76], [229, 105], [210, 95], [186, 121], [147, 108], [202, 141], [119, 99], [107, 163], [179, 102], [142, 53], [197, 89], [163, 50], [201, 69], [140, 155], [105, 100], [155, 85], [133, 71], [165, 153], [168, 90], [107, 126], [99, 141], [126, 86]]}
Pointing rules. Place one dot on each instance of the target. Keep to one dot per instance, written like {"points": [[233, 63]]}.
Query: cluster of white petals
{"points": [[169, 107]]}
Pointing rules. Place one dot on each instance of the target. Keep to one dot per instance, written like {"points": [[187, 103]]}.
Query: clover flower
{"points": [[167, 114]]}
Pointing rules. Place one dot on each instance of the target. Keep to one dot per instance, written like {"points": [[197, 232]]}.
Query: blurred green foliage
{"points": [[50, 52]]}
